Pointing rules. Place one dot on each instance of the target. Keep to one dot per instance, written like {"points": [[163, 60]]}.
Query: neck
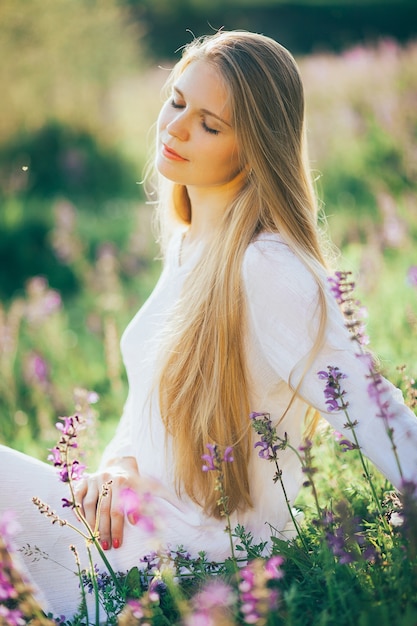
{"points": [[208, 206]]}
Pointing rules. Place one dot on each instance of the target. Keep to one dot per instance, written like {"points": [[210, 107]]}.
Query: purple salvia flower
{"points": [[210, 459], [346, 445], [264, 451], [333, 392], [55, 456], [214, 460], [378, 391], [269, 442], [341, 286]]}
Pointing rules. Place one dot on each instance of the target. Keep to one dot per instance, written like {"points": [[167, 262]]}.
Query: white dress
{"points": [[281, 296]]}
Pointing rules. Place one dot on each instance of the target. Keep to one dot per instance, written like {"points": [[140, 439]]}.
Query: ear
{"points": [[182, 204]]}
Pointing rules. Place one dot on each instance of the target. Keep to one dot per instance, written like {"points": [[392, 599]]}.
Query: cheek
{"points": [[229, 158]]}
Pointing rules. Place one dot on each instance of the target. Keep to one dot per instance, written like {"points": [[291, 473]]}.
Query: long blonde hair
{"points": [[203, 384]]}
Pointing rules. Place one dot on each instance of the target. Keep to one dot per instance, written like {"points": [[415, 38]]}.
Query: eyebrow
{"points": [[206, 111]]}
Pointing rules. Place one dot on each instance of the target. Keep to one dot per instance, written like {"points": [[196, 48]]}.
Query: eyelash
{"points": [[212, 131]]}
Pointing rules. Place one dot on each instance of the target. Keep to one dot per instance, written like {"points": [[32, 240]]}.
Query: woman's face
{"points": [[197, 145]]}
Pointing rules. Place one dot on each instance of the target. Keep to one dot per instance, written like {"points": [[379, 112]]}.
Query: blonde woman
{"points": [[241, 320]]}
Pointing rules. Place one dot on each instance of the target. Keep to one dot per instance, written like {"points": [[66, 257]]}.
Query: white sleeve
{"points": [[282, 300], [121, 444]]}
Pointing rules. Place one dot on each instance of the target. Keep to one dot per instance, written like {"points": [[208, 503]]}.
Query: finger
{"points": [[104, 521], [89, 503], [80, 490], [117, 522]]}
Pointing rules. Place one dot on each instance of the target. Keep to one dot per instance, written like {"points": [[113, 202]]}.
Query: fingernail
{"points": [[105, 545], [116, 543], [133, 518]]}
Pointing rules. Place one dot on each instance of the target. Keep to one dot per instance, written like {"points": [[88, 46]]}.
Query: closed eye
{"points": [[212, 131], [176, 105]]}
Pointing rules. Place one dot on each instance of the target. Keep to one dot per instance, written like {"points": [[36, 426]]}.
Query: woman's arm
{"points": [[282, 300]]}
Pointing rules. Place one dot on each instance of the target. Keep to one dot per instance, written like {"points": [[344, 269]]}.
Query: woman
{"points": [[241, 320]]}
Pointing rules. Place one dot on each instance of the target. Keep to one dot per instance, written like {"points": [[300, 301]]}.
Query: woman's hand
{"points": [[120, 474]]}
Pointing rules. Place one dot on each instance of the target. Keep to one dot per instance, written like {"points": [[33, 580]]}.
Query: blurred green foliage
{"points": [[58, 159]]}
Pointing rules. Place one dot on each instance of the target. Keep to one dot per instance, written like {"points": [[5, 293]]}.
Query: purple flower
{"points": [[210, 458], [136, 608], [68, 467], [215, 593], [264, 449], [7, 590], [257, 599], [269, 442], [36, 369], [55, 456], [11, 617], [345, 537], [412, 276], [272, 567], [213, 460], [156, 588], [346, 445], [341, 286], [254, 415], [333, 392]]}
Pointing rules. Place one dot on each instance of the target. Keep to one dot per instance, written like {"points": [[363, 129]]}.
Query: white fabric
{"points": [[281, 295]]}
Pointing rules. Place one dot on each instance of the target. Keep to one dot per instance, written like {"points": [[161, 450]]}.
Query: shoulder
{"points": [[270, 264]]}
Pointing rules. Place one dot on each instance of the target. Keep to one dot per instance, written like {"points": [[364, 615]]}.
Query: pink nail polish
{"points": [[105, 545], [116, 543]]}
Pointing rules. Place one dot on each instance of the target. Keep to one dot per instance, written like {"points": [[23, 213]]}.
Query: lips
{"points": [[169, 153]]}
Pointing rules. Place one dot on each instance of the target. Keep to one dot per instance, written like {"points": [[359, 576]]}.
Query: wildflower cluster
{"points": [[257, 598], [345, 536], [213, 605], [68, 468], [214, 460], [342, 288]]}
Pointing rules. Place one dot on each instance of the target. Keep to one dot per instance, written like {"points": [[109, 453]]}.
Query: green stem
{"points": [[95, 586], [311, 481], [294, 521], [366, 472], [83, 594], [223, 500]]}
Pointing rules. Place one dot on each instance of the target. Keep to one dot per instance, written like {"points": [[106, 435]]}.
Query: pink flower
{"points": [[272, 567], [140, 509]]}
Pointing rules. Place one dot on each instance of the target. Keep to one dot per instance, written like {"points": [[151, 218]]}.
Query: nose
{"points": [[178, 127]]}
